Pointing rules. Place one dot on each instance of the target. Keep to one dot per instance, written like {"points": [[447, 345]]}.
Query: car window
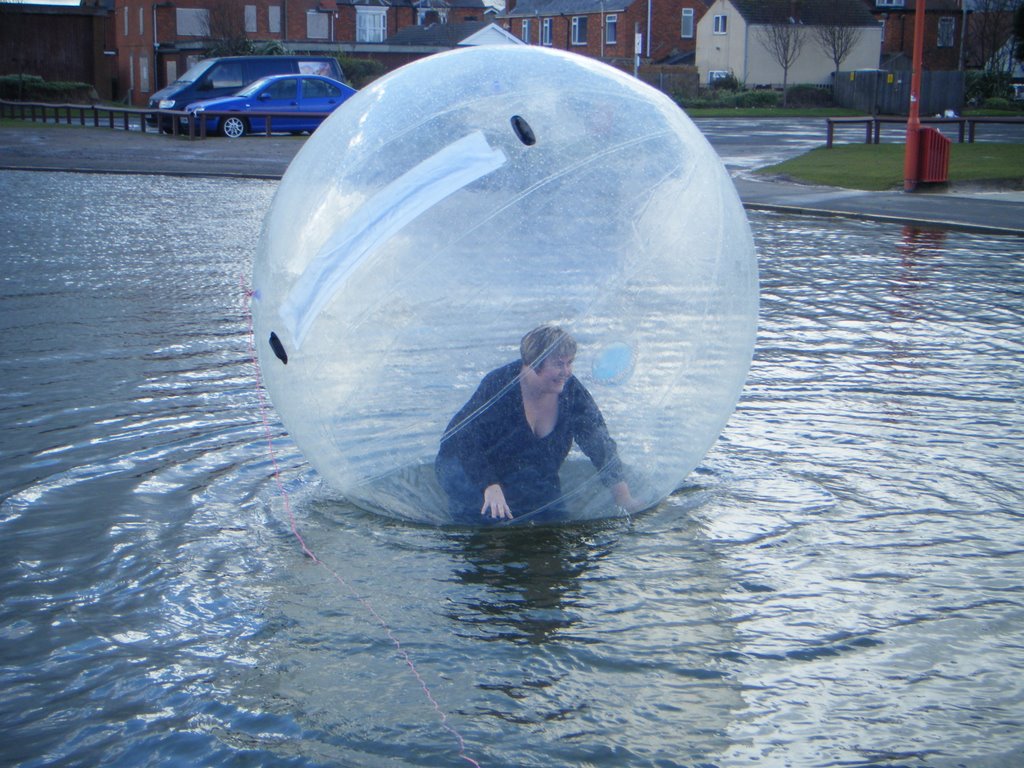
{"points": [[315, 68], [227, 74], [281, 90], [194, 72], [319, 89]]}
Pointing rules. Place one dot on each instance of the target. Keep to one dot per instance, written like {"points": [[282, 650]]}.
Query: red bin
{"points": [[933, 156]]}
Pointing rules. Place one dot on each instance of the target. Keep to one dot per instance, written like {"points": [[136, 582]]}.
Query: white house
{"points": [[731, 40]]}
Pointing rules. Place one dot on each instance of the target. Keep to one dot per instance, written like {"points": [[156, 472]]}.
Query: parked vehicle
{"points": [[212, 78], [298, 103]]}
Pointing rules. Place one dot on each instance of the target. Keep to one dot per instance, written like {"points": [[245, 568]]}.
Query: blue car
{"points": [[298, 103]]}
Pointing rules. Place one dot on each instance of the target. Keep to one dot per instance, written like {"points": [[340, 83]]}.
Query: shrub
{"points": [[34, 88], [270, 48], [998, 102], [808, 96], [730, 100], [757, 99], [981, 85], [727, 83], [360, 72]]}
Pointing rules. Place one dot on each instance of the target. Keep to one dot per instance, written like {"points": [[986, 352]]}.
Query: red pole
{"points": [[910, 157]]}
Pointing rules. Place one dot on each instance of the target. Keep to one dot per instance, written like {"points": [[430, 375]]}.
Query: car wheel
{"points": [[233, 127]]}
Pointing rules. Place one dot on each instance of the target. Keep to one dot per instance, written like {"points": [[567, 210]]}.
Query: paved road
{"points": [[743, 146], [102, 150]]}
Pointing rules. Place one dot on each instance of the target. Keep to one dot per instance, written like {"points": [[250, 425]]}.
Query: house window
{"points": [[889, 3], [126, 21], [274, 19], [525, 31], [545, 32], [947, 31], [371, 25], [192, 22], [579, 30], [611, 29], [142, 22], [316, 25], [144, 74], [720, 24], [686, 27], [250, 18]]}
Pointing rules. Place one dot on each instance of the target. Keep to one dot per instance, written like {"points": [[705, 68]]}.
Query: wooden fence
{"points": [[966, 126], [71, 114], [881, 92], [176, 122]]}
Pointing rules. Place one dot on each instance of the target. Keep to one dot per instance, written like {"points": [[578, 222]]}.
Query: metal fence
{"points": [[175, 122], [878, 92]]}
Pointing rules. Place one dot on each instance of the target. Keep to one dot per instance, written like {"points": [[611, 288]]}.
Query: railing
{"points": [[197, 123], [966, 126], [112, 117], [177, 122]]}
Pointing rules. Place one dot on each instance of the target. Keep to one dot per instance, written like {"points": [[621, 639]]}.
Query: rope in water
{"points": [[286, 499]]}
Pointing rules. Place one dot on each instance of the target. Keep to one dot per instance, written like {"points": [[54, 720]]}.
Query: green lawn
{"points": [[789, 112], [880, 166]]}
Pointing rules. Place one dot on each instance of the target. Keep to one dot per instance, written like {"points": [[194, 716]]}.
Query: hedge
{"points": [[34, 88]]}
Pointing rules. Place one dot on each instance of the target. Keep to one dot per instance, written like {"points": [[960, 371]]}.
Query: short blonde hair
{"points": [[546, 340]]}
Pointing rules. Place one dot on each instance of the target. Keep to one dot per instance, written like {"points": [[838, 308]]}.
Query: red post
{"points": [[910, 156]]}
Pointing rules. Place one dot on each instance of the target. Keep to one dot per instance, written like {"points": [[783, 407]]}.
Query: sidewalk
{"points": [[979, 210], [99, 150]]}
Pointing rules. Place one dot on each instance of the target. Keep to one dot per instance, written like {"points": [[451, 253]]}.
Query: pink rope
{"points": [[367, 606]]}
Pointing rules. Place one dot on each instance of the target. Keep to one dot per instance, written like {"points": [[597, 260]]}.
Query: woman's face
{"points": [[552, 374]]}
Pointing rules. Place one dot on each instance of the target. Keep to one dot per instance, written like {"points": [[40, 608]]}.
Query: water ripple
{"points": [[838, 584]]}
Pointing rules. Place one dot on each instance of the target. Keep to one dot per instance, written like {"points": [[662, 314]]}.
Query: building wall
{"points": [[721, 52], [899, 37], [664, 40], [133, 29], [742, 52], [68, 45], [813, 65]]}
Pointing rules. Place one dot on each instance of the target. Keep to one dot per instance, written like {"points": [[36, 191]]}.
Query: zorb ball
{"points": [[452, 206]]}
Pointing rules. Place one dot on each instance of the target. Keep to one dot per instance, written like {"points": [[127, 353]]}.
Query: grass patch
{"points": [[880, 166], [770, 112]]}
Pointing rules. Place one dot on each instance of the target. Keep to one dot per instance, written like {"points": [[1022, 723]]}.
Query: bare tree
{"points": [[836, 39], [226, 29], [783, 39], [988, 31], [1018, 31]]}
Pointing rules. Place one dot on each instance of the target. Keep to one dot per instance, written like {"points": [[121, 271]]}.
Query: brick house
{"points": [[156, 42], [943, 33], [607, 29]]}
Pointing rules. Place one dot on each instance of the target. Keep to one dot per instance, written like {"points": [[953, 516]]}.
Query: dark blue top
{"points": [[494, 443]]}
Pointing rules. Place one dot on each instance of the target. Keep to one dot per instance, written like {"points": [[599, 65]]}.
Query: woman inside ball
{"points": [[501, 453]]}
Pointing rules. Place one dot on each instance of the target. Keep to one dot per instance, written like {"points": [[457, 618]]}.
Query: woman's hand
{"points": [[623, 498], [494, 503]]}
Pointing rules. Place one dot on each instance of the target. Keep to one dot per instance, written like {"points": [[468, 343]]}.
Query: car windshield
{"points": [[253, 87], [195, 72]]}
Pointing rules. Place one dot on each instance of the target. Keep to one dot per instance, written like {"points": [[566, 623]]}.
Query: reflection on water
{"points": [[528, 579], [838, 583]]}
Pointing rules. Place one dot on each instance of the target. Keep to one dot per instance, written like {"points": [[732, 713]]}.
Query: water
{"points": [[838, 584]]}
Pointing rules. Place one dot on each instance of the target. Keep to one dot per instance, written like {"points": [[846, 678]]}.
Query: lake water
{"points": [[838, 584]]}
